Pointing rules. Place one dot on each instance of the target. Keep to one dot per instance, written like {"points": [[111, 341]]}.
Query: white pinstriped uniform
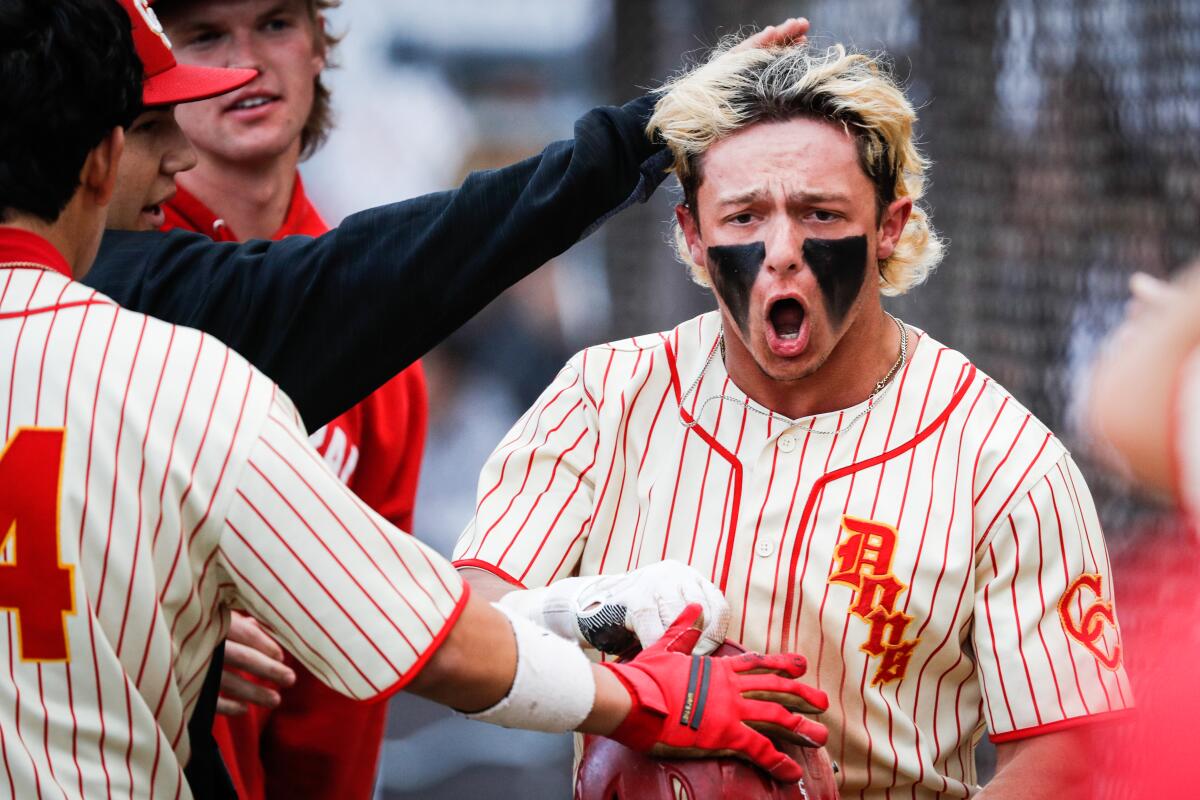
{"points": [[948, 516], [188, 486]]}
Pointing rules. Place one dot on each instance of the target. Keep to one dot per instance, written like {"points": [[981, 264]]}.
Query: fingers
{"points": [[783, 724], [235, 687], [716, 618], [790, 32], [230, 708], [791, 694], [246, 631], [648, 624], [256, 663], [761, 751], [786, 664]]}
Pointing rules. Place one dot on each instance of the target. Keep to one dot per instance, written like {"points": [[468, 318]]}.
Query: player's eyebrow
{"points": [[800, 197]]}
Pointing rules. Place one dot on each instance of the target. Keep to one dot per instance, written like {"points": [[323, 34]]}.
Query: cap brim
{"points": [[187, 83]]}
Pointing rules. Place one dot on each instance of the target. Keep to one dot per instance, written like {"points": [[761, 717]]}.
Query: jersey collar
{"points": [[187, 211], [21, 246]]}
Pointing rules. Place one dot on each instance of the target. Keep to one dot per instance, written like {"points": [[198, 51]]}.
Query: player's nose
{"points": [[784, 248]]}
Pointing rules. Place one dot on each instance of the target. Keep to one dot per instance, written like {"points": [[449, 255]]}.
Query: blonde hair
{"points": [[733, 90]]}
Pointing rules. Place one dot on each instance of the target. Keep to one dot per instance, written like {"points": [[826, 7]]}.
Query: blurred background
{"points": [[1064, 138]]}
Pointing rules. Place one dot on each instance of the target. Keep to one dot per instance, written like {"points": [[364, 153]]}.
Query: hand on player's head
{"points": [[793, 31], [685, 704]]}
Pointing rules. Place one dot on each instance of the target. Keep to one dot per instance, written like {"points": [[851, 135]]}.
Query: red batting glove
{"points": [[698, 704]]}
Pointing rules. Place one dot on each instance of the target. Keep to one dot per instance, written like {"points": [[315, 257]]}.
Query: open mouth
{"points": [[787, 317], [252, 102]]}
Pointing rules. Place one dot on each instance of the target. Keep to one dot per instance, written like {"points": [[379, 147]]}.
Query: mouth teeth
{"points": [[253, 102], [787, 316]]}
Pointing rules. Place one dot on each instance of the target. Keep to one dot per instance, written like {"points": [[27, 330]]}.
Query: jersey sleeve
{"points": [[535, 497], [361, 605], [1185, 436], [1046, 637]]}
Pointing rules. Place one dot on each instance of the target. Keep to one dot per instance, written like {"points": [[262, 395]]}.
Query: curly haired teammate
{"points": [[151, 480], [857, 490]]}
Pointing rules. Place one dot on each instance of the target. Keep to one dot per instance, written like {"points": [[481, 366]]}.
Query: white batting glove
{"points": [[609, 612]]}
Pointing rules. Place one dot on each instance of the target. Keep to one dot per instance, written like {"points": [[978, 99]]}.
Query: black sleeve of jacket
{"points": [[332, 318]]}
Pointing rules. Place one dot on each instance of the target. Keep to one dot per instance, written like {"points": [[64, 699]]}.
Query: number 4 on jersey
{"points": [[34, 583]]}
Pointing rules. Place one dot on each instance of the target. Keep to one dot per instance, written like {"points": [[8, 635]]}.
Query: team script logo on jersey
{"points": [[865, 564], [1088, 626]]}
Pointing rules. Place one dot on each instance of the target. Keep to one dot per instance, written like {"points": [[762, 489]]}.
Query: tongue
{"points": [[787, 318]]}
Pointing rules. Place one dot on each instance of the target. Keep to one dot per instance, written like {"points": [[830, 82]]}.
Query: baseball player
{"points": [[857, 490], [152, 479], [299, 739]]}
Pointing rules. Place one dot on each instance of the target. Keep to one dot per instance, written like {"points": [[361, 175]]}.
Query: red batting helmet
{"points": [[611, 771]]}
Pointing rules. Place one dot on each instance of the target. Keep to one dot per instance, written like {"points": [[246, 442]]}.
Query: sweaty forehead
{"points": [[798, 156]]}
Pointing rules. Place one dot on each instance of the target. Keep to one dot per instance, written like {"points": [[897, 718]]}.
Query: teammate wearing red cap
{"points": [[152, 480], [299, 739]]}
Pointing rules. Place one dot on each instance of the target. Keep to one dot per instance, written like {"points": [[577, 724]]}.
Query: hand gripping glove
{"points": [[608, 611], [692, 705]]}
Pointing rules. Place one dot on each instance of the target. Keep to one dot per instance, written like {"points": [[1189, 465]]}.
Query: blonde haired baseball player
{"points": [[855, 489]]}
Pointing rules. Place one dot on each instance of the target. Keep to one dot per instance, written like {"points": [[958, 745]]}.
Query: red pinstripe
{"points": [[787, 525], [1017, 616], [992, 632], [732, 505], [1042, 599], [1012, 445], [321, 584], [1020, 481], [549, 484], [734, 463], [17, 703], [1066, 582], [37, 403], [762, 510], [366, 521], [683, 448], [12, 375], [704, 495], [281, 584], [528, 470], [46, 732], [557, 517], [116, 460]]}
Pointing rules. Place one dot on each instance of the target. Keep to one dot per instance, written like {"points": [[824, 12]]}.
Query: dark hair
{"points": [[320, 117], [68, 76]]}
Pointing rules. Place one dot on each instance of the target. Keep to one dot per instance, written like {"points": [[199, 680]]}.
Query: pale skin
{"points": [[248, 141], [1132, 393]]}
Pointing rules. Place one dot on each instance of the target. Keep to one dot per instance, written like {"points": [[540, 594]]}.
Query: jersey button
{"points": [[787, 443], [765, 548]]}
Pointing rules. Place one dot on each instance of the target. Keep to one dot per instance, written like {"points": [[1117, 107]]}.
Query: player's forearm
{"points": [[1046, 767]]}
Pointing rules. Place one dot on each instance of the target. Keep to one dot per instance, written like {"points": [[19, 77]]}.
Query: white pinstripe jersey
{"points": [[153, 479], [940, 563]]}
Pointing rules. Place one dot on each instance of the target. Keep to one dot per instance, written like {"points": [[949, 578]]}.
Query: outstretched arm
{"points": [[331, 319]]}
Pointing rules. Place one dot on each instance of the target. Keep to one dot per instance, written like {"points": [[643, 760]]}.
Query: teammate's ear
{"points": [[891, 226], [320, 51], [99, 175], [691, 233]]}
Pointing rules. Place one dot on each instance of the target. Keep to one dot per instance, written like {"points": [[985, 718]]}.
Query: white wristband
{"points": [[553, 690]]}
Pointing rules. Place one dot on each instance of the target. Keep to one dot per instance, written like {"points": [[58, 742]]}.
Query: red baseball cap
{"points": [[167, 82]]}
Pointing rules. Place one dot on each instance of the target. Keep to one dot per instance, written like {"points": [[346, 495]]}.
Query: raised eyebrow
{"points": [[741, 198], [813, 198]]}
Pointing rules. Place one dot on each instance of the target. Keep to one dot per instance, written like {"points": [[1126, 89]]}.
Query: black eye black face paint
{"points": [[733, 268], [840, 267]]}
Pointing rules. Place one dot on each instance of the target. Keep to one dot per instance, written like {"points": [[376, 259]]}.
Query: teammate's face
{"points": [[787, 226], [263, 119], [155, 151]]}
